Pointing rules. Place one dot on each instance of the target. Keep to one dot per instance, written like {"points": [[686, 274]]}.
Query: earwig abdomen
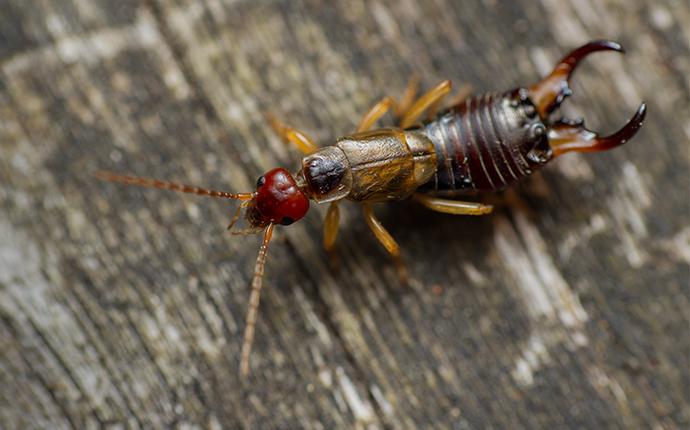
{"points": [[486, 143]]}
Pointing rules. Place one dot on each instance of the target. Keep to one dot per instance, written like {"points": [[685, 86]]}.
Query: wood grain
{"points": [[124, 308]]}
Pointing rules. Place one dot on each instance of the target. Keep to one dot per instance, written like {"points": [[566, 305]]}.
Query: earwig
{"points": [[482, 144]]}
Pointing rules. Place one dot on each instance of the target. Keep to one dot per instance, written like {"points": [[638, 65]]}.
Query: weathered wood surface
{"points": [[124, 307]]}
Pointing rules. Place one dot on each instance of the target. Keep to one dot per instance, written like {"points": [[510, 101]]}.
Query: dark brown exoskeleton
{"points": [[481, 144]]}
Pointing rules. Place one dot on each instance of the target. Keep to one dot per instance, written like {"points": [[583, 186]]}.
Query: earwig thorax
{"points": [[327, 174]]}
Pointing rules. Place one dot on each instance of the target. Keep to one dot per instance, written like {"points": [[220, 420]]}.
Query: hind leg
{"points": [[459, 96], [408, 97], [388, 103], [453, 207], [432, 97]]}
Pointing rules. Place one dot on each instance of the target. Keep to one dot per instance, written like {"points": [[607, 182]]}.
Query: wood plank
{"points": [[566, 308]]}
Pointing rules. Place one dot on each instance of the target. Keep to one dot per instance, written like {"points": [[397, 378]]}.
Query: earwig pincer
{"points": [[482, 144]]}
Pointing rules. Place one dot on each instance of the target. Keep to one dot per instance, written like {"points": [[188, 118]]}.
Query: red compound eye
{"points": [[279, 199]]}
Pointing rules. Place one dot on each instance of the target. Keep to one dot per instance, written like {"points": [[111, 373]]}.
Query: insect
{"points": [[482, 144]]}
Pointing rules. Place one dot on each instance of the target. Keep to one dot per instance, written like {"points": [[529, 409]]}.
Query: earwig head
{"points": [[565, 135], [278, 199]]}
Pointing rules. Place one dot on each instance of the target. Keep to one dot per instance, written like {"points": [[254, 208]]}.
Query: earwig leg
{"points": [[408, 98], [330, 226], [459, 97], [453, 207], [375, 113], [433, 96], [291, 135], [389, 103], [236, 215], [330, 233], [386, 240]]}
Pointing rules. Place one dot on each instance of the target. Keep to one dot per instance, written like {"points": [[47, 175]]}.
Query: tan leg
{"points": [[459, 96], [236, 216], [291, 135], [433, 96], [389, 103], [409, 96], [386, 240], [375, 113], [453, 207], [330, 226]]}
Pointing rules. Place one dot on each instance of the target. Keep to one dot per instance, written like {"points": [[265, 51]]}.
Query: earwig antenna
{"points": [[164, 185], [254, 298]]}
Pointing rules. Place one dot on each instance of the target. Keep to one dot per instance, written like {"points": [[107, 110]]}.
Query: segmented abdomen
{"points": [[485, 143]]}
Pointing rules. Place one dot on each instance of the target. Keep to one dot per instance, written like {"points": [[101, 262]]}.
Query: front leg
{"points": [[330, 226], [386, 240], [291, 135]]}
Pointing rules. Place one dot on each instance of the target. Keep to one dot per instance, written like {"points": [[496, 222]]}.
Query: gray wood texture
{"points": [[123, 307]]}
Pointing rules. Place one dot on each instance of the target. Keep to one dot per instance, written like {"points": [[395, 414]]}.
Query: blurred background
{"points": [[124, 307]]}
